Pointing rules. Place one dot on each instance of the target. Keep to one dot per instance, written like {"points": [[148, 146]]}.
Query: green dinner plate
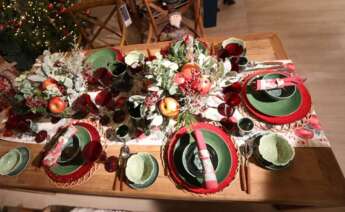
{"points": [[104, 58], [216, 143], [267, 106], [83, 138]]}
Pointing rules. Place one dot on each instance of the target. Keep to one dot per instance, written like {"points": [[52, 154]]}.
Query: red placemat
{"points": [[84, 169], [301, 112], [173, 170]]}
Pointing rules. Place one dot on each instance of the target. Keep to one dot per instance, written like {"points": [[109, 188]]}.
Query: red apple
{"points": [[48, 82], [204, 85], [169, 107], [56, 105], [190, 71]]}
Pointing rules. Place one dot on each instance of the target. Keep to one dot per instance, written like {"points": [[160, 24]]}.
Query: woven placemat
{"points": [[93, 169]]}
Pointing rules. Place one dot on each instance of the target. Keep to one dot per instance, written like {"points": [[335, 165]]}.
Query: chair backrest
{"points": [[157, 14], [88, 4]]}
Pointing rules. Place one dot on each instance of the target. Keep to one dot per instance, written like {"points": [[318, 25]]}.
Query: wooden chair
{"points": [[77, 12], [156, 15]]}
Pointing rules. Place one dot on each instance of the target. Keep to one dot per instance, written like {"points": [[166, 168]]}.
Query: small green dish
{"points": [[103, 58], [267, 106], [274, 151], [152, 170], [25, 157], [9, 161], [279, 93]]}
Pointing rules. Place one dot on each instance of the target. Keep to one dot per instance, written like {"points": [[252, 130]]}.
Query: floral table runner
{"points": [[306, 132]]}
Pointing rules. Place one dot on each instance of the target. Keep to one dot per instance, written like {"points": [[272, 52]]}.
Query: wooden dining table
{"points": [[314, 178]]}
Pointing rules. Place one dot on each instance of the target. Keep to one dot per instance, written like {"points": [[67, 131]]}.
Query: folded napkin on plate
{"points": [[53, 154], [209, 173], [267, 84]]}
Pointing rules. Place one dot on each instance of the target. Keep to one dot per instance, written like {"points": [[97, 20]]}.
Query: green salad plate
{"points": [[22, 164], [265, 105], [9, 161]]}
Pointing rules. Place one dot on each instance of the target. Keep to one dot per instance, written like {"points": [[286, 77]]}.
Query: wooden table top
{"points": [[314, 178]]}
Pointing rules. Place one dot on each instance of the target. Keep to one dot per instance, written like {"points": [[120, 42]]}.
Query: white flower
{"points": [[134, 59], [227, 65], [157, 120], [170, 65], [51, 91]]}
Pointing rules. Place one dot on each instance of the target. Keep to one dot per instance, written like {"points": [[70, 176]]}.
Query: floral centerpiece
{"points": [[183, 83], [185, 79], [53, 84]]}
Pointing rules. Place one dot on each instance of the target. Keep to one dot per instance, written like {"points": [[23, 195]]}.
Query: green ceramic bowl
{"points": [[191, 160], [103, 58], [146, 179], [25, 157], [265, 105], [70, 151], [280, 93], [275, 149], [139, 168], [216, 143], [9, 161]]}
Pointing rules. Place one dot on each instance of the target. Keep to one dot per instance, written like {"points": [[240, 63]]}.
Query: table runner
{"points": [[303, 133]]}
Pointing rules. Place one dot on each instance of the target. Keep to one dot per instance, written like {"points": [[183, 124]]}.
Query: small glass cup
{"points": [[245, 126], [122, 133]]}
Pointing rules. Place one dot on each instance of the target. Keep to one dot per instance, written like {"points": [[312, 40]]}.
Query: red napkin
{"points": [[267, 84], [52, 156], [209, 174]]}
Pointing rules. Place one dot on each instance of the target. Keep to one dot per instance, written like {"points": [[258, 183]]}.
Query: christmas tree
{"points": [[31, 26]]}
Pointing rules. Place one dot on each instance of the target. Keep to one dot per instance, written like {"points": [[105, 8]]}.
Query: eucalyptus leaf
{"points": [[173, 90], [68, 83], [37, 78]]}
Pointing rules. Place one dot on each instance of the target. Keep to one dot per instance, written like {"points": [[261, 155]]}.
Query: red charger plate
{"points": [[301, 112], [173, 170], [84, 168]]}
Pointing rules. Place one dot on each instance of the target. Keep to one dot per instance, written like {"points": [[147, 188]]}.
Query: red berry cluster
{"points": [[111, 164], [84, 105], [41, 136]]}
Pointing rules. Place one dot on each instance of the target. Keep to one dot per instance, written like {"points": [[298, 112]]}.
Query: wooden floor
{"points": [[313, 33]]}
